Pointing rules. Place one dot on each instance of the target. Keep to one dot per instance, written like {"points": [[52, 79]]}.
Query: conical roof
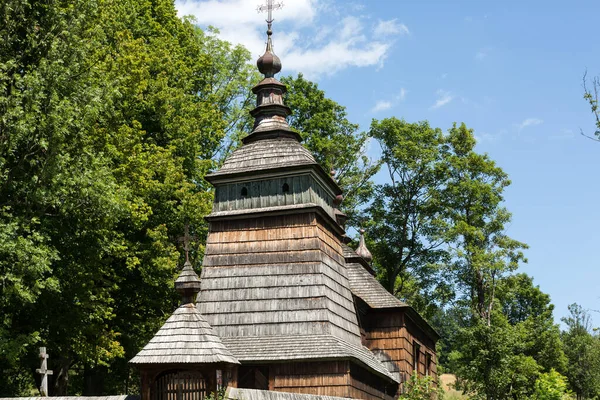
{"points": [[186, 338]]}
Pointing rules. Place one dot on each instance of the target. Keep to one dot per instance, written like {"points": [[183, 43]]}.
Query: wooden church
{"points": [[283, 309]]}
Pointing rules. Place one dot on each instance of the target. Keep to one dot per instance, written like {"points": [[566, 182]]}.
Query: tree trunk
{"points": [[61, 377]]}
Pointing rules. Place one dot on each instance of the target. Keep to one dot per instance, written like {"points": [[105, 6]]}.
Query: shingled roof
{"points": [[265, 154], [364, 285], [185, 338], [302, 348]]}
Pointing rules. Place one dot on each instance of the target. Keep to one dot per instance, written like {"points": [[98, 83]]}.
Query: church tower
{"points": [[275, 287]]}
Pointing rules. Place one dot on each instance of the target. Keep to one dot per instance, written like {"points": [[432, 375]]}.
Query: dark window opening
{"points": [[285, 188], [428, 364], [416, 354], [244, 191], [250, 377]]}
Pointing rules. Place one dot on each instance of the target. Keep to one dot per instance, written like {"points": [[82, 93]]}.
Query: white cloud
{"points": [[390, 27], [443, 98], [382, 105], [402, 95], [302, 44], [529, 122]]}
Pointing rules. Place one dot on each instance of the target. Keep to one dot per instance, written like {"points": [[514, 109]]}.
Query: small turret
{"points": [[362, 250]]}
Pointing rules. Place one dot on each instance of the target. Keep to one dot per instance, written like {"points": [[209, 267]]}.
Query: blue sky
{"points": [[511, 70]]}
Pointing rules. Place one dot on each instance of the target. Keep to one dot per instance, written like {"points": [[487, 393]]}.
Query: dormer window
{"points": [[244, 192], [285, 188]]}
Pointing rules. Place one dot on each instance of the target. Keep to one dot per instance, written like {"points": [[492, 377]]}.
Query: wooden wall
{"points": [[301, 189], [280, 275], [328, 378], [392, 332]]}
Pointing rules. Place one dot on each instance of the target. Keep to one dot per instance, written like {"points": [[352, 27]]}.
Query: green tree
{"points": [[481, 251], [111, 113], [551, 386], [490, 359], [335, 142], [583, 352], [405, 213], [524, 304]]}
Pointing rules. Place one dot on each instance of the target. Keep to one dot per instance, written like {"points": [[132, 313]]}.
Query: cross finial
{"points": [[186, 239], [269, 7]]}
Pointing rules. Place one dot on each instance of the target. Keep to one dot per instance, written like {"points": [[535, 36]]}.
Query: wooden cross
{"points": [[44, 371], [186, 239], [269, 7]]}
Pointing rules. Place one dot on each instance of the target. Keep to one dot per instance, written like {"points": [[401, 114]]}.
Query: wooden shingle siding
{"points": [[185, 338], [279, 262], [264, 155], [393, 333]]}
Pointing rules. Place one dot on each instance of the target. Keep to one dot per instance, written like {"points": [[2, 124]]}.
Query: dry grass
{"points": [[448, 381]]}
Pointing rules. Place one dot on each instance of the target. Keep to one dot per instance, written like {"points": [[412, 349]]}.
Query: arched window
{"points": [[285, 188], [244, 191], [179, 385]]}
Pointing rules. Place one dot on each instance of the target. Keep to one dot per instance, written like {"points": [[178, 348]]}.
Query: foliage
{"points": [[111, 113], [591, 95], [582, 349], [551, 386], [421, 388], [333, 140], [405, 213], [490, 359], [481, 251]]}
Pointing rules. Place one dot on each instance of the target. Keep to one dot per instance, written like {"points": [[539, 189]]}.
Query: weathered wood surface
{"points": [[302, 347], [120, 397], [365, 286], [273, 192], [253, 394], [185, 338], [393, 333], [276, 276], [266, 154], [321, 378], [44, 371]]}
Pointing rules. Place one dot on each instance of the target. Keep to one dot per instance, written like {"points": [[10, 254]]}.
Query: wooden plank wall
{"points": [[328, 378], [392, 332], [301, 189], [368, 386]]}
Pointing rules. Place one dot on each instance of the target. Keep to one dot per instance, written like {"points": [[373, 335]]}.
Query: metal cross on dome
{"points": [[269, 7]]}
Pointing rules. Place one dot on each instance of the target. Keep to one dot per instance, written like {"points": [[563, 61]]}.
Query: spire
{"points": [[187, 284], [362, 250], [270, 113]]}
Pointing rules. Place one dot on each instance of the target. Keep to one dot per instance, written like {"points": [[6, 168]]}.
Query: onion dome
{"points": [[362, 250], [269, 64]]}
